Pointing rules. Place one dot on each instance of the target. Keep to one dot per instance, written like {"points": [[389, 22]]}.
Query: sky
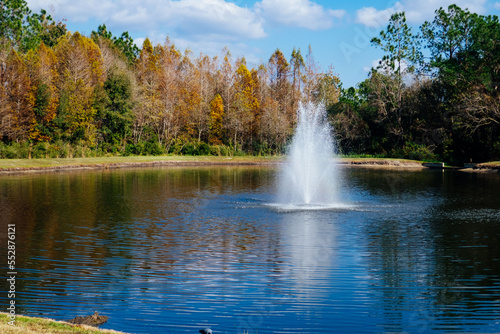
{"points": [[339, 32]]}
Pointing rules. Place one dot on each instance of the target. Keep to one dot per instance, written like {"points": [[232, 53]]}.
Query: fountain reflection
{"points": [[309, 242]]}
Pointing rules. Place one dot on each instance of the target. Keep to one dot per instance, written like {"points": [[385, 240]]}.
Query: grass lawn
{"points": [[30, 325], [492, 164], [136, 161], [133, 161], [381, 160], [87, 162]]}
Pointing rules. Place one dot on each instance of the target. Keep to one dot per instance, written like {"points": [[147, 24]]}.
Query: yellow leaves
{"points": [[189, 101], [79, 70], [80, 112], [147, 64], [174, 94], [246, 88], [33, 132], [79, 58], [43, 95], [216, 117], [147, 48]]}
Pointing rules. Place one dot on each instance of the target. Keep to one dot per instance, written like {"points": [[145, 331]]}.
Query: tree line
{"points": [[434, 95], [64, 92]]}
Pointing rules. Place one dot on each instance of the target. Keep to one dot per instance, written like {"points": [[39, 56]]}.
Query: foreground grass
{"points": [[32, 325]]}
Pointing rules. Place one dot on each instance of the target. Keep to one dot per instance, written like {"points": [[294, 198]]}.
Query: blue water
{"points": [[174, 250]]}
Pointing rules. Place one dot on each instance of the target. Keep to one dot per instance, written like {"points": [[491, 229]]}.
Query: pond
{"points": [[175, 250]]}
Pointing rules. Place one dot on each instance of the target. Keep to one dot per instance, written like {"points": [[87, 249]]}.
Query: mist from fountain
{"points": [[310, 177]]}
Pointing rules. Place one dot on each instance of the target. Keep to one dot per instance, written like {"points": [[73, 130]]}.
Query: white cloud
{"points": [[76, 11], [373, 18], [300, 13], [422, 10], [189, 18], [215, 18], [497, 5], [416, 11]]}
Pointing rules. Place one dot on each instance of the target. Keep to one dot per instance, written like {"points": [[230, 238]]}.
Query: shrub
{"points": [[418, 152], [130, 149], [10, 152], [153, 148], [64, 149], [40, 150], [3, 150]]}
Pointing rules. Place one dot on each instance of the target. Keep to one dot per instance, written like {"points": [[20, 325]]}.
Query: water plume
{"points": [[310, 177]]}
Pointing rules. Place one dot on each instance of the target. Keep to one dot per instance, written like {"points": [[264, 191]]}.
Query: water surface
{"points": [[173, 250]]}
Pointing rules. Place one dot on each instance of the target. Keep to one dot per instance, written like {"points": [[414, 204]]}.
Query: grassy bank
{"points": [[32, 325], [489, 165], [37, 165], [26, 165], [389, 162], [129, 161]]}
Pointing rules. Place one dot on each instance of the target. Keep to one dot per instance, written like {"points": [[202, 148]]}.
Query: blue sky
{"points": [[338, 31]]}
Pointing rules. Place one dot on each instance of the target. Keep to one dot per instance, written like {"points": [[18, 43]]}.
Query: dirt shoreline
{"points": [[216, 161]]}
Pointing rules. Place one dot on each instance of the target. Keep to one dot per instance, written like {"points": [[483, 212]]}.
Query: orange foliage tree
{"points": [[17, 120]]}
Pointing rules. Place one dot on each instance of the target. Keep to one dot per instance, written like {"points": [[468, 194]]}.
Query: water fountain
{"points": [[310, 178]]}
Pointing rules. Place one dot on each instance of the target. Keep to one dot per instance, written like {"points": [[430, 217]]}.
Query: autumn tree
{"points": [[42, 66], [190, 98], [298, 68], [312, 72], [225, 79], [170, 59], [245, 105], [279, 70], [17, 121], [327, 89], [216, 120], [204, 83], [147, 69], [81, 72], [275, 127]]}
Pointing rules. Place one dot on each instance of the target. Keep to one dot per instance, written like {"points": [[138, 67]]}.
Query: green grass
{"points": [[75, 162], [367, 160], [32, 325], [491, 164], [132, 161]]}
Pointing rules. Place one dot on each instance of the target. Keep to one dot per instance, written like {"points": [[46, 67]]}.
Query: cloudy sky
{"points": [[338, 31]]}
